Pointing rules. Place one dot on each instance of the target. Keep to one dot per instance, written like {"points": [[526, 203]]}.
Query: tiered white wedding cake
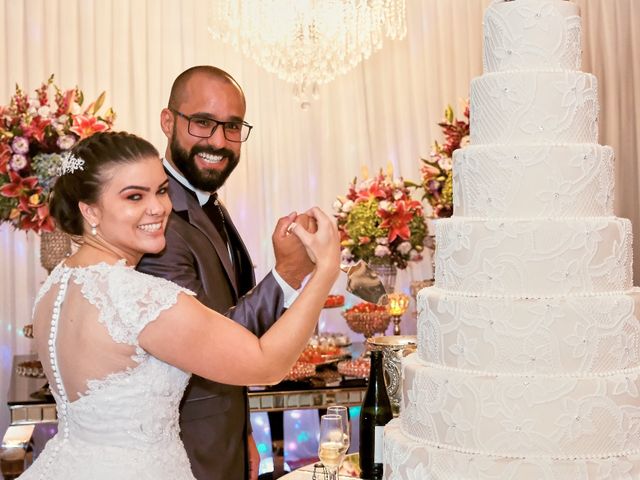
{"points": [[529, 343]]}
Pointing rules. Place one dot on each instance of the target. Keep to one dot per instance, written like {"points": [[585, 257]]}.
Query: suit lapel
{"points": [[183, 202]]}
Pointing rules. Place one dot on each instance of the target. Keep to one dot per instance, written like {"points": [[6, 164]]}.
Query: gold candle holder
{"points": [[397, 304]]}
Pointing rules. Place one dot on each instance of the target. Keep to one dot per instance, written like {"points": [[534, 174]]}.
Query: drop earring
{"points": [[94, 231]]}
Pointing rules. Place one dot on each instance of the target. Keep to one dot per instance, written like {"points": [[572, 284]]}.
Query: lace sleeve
{"points": [[127, 300], [139, 299], [52, 279]]}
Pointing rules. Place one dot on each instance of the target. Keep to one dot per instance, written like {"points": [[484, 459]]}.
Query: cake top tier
{"points": [[532, 35]]}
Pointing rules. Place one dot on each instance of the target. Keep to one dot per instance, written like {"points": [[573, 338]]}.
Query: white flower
{"points": [[345, 255], [66, 142], [457, 424], [583, 339], [347, 206], [337, 205], [382, 251], [567, 275], [445, 162], [75, 109], [382, 241], [464, 349], [576, 419], [44, 111], [18, 162], [458, 236], [397, 195], [404, 248], [385, 205], [628, 385]]}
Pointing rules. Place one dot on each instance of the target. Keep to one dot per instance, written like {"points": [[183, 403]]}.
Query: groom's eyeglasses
{"points": [[204, 127]]}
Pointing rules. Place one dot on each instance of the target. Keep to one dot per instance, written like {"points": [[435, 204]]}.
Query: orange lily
{"points": [[398, 221], [84, 126]]}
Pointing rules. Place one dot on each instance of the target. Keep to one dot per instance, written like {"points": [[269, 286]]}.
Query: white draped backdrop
{"points": [[386, 110]]}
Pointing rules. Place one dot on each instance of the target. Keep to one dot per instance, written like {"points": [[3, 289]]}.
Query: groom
{"points": [[205, 128]]}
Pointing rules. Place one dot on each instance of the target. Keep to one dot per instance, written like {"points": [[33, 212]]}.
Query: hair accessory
{"points": [[94, 230], [70, 163]]}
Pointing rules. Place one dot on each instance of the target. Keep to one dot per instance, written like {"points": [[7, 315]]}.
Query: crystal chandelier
{"points": [[307, 42]]}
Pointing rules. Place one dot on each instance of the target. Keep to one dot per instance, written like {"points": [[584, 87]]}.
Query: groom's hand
{"points": [[292, 262]]}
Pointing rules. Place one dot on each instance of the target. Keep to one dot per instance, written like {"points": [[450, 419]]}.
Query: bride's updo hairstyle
{"points": [[84, 172]]}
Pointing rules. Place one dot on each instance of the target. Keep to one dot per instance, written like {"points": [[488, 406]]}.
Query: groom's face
{"points": [[206, 162]]}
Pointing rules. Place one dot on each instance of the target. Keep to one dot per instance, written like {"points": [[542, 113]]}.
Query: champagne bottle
{"points": [[375, 414]]}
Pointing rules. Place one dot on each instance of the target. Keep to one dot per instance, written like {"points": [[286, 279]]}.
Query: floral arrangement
{"points": [[34, 132], [436, 171], [380, 223]]}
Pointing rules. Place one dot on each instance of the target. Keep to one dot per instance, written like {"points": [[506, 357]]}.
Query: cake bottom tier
{"points": [[408, 459], [564, 416]]}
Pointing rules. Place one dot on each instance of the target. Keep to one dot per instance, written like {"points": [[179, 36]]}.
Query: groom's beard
{"points": [[208, 180]]}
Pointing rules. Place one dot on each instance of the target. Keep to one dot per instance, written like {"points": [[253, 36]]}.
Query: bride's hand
{"points": [[323, 246]]}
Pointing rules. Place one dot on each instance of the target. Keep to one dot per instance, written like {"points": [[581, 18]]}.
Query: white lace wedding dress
{"points": [[117, 404]]}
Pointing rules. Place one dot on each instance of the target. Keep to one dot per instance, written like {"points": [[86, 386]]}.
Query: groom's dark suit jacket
{"points": [[214, 417]]}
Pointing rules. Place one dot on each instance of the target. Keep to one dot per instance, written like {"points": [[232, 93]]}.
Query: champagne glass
{"points": [[331, 448], [346, 426]]}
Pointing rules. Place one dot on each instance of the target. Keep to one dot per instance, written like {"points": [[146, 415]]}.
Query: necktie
{"points": [[214, 212]]}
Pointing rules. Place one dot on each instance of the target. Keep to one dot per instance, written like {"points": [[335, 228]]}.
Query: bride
{"points": [[118, 346]]}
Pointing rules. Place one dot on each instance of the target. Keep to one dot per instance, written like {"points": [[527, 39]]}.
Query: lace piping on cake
{"points": [[469, 451], [578, 375], [496, 96], [634, 290], [565, 181], [537, 70], [510, 39], [532, 145], [534, 219]]}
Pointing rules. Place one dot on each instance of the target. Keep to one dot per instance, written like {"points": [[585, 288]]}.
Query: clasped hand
{"points": [[302, 242]]}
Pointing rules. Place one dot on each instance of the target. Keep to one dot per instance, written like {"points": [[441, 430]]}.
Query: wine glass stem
{"points": [[332, 474]]}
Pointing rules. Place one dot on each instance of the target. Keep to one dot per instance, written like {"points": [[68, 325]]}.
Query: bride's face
{"points": [[134, 206]]}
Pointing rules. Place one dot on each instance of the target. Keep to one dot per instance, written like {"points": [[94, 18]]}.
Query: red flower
{"points": [[398, 220], [37, 219], [36, 128], [29, 189], [19, 186], [84, 126], [5, 155]]}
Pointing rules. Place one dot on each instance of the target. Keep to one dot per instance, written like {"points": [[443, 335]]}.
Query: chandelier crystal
{"points": [[307, 42]]}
